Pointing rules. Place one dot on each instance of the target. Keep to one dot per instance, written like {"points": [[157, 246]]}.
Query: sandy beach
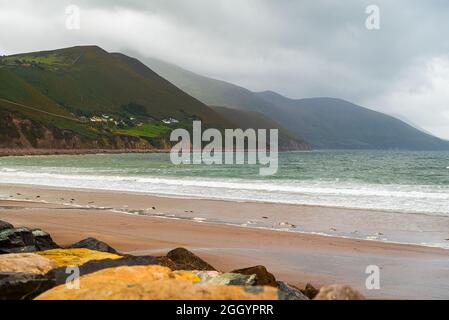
{"points": [[407, 271]]}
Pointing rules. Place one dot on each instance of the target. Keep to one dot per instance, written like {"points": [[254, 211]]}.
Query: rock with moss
{"points": [[288, 292], [263, 277], [186, 260], [17, 240]]}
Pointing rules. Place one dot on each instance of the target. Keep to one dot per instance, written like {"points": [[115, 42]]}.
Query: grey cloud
{"points": [[299, 48]]}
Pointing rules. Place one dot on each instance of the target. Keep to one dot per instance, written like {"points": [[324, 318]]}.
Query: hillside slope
{"points": [[325, 123], [329, 123], [90, 98], [255, 120]]}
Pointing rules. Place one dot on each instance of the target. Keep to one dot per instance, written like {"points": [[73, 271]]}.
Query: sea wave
{"points": [[403, 198]]}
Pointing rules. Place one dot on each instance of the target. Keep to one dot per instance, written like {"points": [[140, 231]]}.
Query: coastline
{"points": [[51, 152], [407, 270]]}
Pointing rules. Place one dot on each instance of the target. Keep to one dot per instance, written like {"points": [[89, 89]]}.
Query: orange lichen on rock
{"points": [[75, 257], [152, 283]]}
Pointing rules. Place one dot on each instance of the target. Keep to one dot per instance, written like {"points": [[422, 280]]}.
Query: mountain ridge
{"points": [[324, 122]]}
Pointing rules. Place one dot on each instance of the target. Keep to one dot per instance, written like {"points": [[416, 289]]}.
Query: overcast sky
{"points": [[297, 48]]}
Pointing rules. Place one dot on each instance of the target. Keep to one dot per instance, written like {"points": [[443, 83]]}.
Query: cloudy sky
{"points": [[298, 48]]}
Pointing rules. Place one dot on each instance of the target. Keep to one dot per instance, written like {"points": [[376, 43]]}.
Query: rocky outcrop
{"points": [[339, 292], [76, 257], [215, 277], [23, 286], [17, 240], [5, 225], [153, 283], [19, 133], [25, 263], [60, 275], [310, 291], [186, 260], [288, 292], [94, 244], [263, 277]]}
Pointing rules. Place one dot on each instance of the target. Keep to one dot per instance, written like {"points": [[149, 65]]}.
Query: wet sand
{"points": [[407, 271]]}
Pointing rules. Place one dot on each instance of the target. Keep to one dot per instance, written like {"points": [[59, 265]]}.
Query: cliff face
{"points": [[18, 133]]}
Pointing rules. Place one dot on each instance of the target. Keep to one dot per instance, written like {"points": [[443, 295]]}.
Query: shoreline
{"points": [[56, 152], [408, 271], [289, 207]]}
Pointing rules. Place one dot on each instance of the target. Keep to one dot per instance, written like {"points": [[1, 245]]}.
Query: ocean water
{"points": [[404, 195], [415, 182]]}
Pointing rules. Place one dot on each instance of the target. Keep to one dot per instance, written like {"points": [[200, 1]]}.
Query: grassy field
{"points": [[146, 131]]}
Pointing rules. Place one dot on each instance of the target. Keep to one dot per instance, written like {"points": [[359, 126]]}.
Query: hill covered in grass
{"points": [[90, 98]]}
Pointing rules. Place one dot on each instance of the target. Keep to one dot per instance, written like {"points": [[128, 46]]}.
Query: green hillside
{"points": [[94, 94]]}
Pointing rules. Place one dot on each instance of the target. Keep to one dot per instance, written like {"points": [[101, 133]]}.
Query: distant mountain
{"points": [[329, 123], [325, 123], [255, 120]]}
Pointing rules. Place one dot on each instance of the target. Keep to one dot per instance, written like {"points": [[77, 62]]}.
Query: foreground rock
{"points": [[76, 257], [263, 277], [5, 225], [153, 283], [25, 263], [310, 291], [186, 260], [288, 292], [60, 275], [339, 292], [18, 240], [23, 286], [215, 277], [94, 244]]}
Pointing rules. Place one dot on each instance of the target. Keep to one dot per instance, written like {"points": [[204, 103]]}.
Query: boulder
{"points": [[263, 277], [23, 286], [5, 225], [25, 263], [339, 292], [152, 283], [215, 277], [76, 257], [186, 260], [22, 239], [310, 291], [43, 240], [288, 292], [60, 275], [94, 244]]}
